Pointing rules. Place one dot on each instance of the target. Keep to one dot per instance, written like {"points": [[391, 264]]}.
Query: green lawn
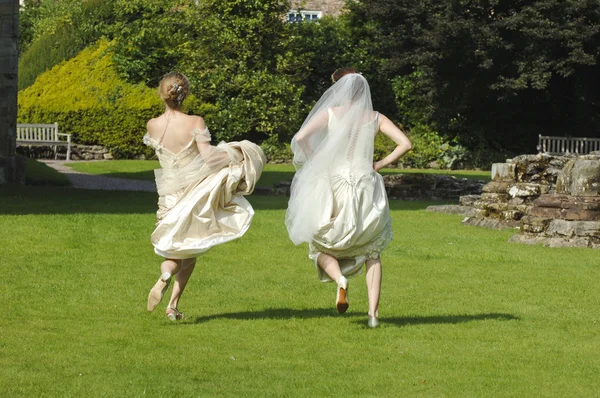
{"points": [[133, 169], [143, 170], [463, 312], [38, 173]]}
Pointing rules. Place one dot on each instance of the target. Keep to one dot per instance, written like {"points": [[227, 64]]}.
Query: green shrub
{"points": [[54, 31], [148, 35], [276, 151], [45, 53], [87, 99], [426, 148], [454, 156]]}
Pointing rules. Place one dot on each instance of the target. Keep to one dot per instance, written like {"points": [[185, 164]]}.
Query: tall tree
{"points": [[493, 71]]}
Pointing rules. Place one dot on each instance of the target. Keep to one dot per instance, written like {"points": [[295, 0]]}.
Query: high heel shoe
{"points": [[373, 322], [341, 299], [158, 291], [173, 314]]}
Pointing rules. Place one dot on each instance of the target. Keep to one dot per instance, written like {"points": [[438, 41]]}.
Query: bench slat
{"points": [[564, 145], [43, 134]]}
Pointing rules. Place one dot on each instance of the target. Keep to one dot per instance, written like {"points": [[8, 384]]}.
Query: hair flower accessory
{"points": [[179, 90]]}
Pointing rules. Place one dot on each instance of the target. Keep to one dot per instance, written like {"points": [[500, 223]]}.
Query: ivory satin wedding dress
{"points": [[201, 196]]}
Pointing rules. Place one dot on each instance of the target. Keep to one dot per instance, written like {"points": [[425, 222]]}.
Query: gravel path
{"points": [[90, 181]]}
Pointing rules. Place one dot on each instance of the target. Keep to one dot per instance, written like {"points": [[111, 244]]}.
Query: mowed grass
{"points": [[37, 173], [274, 173], [463, 312], [131, 169]]}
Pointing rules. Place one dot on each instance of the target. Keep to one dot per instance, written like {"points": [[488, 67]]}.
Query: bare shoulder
{"points": [[337, 110], [197, 122], [383, 118], [386, 125], [152, 122], [152, 125]]}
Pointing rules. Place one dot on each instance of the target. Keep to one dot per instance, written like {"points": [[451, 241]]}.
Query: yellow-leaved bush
{"points": [[88, 99]]}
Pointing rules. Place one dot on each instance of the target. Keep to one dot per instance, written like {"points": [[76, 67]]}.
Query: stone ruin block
{"points": [[581, 178], [527, 190], [468, 200], [490, 223], [562, 201], [565, 214], [536, 225], [574, 228], [554, 200], [503, 172], [516, 201], [494, 197], [497, 187]]}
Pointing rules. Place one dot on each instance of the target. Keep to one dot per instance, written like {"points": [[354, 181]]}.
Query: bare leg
{"points": [[373, 277], [171, 266], [168, 268], [181, 280], [330, 265]]}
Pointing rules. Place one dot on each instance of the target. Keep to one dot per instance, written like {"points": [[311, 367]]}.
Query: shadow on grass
{"points": [[446, 319], [17, 199], [269, 178], [289, 313], [277, 313], [147, 175], [410, 205], [267, 202], [23, 200]]}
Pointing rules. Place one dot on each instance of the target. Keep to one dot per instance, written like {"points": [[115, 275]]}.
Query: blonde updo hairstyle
{"points": [[173, 89]]}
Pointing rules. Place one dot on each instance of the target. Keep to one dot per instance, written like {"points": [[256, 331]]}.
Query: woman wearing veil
{"points": [[338, 202], [200, 190]]}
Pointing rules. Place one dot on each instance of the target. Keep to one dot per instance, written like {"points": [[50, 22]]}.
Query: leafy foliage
{"points": [[54, 31], [494, 74], [87, 98], [488, 76], [45, 53], [148, 35], [232, 56]]}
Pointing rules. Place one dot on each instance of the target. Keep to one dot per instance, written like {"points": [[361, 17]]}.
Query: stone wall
{"points": [[570, 216], [78, 152], [515, 185], [415, 186], [12, 168], [328, 7], [420, 186]]}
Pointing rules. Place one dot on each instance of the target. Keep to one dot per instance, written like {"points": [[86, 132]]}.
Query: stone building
{"points": [[11, 168], [314, 9]]}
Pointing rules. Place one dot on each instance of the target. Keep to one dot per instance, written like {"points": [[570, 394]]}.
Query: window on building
{"points": [[299, 16]]}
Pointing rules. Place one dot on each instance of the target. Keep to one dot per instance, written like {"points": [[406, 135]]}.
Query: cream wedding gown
{"points": [[201, 201], [355, 222]]}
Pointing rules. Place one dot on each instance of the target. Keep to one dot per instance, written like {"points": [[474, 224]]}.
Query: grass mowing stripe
{"points": [[464, 313], [273, 173]]}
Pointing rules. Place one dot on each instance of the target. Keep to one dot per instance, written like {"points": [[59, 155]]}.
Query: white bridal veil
{"points": [[335, 143]]}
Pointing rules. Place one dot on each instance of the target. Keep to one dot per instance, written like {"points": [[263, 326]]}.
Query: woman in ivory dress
{"points": [[200, 190], [338, 202]]}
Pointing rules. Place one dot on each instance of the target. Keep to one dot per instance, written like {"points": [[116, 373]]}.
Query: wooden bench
{"points": [[43, 134], [567, 145]]}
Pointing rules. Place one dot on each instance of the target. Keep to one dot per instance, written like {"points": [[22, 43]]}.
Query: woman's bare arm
{"points": [[395, 134], [319, 122], [198, 123]]}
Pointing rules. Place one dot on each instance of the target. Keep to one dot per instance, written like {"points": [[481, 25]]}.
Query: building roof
{"points": [[327, 7]]}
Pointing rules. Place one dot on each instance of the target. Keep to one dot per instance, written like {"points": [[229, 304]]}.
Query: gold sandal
{"points": [[173, 314], [158, 291]]}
